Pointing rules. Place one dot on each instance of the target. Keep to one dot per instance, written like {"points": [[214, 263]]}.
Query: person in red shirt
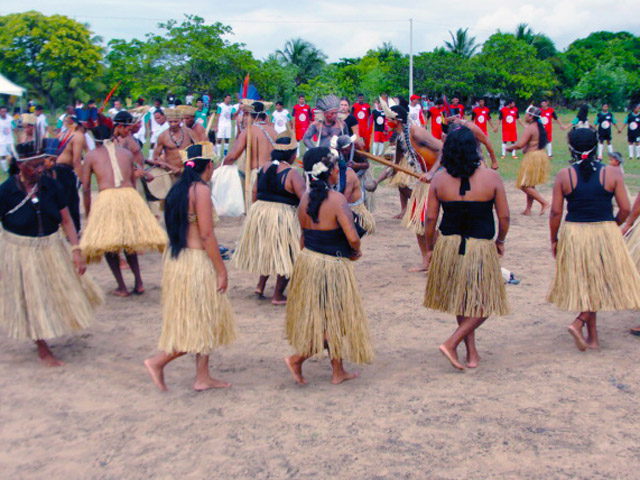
{"points": [[362, 111], [481, 116], [456, 108], [435, 114], [509, 115], [547, 116], [302, 118]]}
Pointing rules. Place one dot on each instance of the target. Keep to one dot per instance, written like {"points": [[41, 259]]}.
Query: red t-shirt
{"points": [[480, 117], [302, 117], [546, 117], [509, 127], [362, 112], [435, 114], [457, 110]]}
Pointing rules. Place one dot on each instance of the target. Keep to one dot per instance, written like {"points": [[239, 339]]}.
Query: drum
{"points": [[158, 188]]}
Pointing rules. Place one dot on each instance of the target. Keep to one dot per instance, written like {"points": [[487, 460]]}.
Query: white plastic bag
{"points": [[226, 191]]}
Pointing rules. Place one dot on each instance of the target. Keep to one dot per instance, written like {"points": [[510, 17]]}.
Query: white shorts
{"points": [[224, 130], [5, 150]]}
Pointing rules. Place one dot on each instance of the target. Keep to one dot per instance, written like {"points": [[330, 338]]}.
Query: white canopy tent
{"points": [[7, 87]]}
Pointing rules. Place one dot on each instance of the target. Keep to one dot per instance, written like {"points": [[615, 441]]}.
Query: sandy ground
{"points": [[535, 408]]}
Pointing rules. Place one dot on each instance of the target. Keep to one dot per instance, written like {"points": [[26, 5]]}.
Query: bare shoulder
{"points": [[202, 188]]}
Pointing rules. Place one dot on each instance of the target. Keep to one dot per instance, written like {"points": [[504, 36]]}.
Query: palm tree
{"points": [[543, 44], [461, 44], [304, 56]]}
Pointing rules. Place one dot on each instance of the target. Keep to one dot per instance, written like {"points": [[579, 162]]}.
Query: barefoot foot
{"points": [[545, 207], [526, 212], [295, 367], [157, 374], [576, 333], [208, 383], [120, 293], [452, 356], [50, 361], [421, 268], [399, 216], [259, 294], [338, 378], [138, 289], [279, 301], [473, 360]]}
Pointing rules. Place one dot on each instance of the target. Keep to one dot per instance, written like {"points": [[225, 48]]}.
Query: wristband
{"points": [[499, 241], [76, 248]]}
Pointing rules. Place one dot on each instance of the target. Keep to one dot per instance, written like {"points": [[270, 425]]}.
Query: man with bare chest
{"points": [[263, 137], [68, 167], [189, 121], [328, 125], [171, 141], [119, 219]]}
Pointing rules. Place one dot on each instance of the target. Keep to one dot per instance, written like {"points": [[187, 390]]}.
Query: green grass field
{"points": [[509, 167]]}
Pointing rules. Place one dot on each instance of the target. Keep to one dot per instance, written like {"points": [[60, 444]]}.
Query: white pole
{"points": [[410, 56]]}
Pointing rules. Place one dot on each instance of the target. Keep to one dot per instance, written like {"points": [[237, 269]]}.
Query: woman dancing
{"points": [[196, 313], [464, 277], [324, 308]]}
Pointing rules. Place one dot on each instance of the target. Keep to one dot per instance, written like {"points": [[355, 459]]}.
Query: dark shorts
{"points": [[604, 136], [635, 138]]}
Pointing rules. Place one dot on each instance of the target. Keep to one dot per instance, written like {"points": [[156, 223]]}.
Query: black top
{"points": [[601, 118], [280, 195], [378, 120], [38, 217], [589, 201], [350, 122], [328, 242], [469, 220]]}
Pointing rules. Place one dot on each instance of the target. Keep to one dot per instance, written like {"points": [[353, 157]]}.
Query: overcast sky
{"points": [[349, 28]]}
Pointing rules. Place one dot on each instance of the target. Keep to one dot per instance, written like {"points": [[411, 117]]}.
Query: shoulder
{"points": [[203, 188]]}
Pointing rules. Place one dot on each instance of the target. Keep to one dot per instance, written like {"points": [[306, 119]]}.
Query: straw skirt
{"points": [[42, 295], [324, 302], [415, 215], [594, 270], [534, 169], [633, 244], [401, 179], [469, 285], [121, 220], [270, 240], [365, 218], [196, 318]]}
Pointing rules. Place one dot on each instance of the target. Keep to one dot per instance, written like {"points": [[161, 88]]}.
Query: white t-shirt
{"points": [[280, 119], [225, 112], [414, 114], [42, 124], [6, 130], [114, 111], [91, 143], [141, 134], [188, 99], [159, 130], [152, 120]]}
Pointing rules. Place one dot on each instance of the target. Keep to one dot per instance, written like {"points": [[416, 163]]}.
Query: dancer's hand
{"points": [[500, 248], [554, 248], [356, 255], [624, 228], [222, 282], [78, 261]]}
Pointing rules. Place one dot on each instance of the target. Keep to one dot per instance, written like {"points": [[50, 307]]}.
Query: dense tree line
{"points": [[59, 59]]}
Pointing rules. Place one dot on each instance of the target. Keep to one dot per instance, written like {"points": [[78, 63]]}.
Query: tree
{"points": [[461, 44], [508, 66], [53, 56], [304, 56], [605, 83], [543, 44]]}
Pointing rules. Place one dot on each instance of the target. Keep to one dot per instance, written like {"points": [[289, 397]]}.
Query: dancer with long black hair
{"points": [[196, 313], [535, 167], [325, 308], [270, 238]]}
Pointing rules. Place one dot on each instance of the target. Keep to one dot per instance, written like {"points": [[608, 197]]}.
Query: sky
{"points": [[348, 28]]}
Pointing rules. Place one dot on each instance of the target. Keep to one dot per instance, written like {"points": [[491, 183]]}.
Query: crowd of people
{"points": [[303, 227]]}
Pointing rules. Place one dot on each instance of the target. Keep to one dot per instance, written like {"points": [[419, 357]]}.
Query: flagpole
{"points": [[410, 56]]}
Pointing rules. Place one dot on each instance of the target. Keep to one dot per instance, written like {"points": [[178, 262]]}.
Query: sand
{"points": [[535, 408]]}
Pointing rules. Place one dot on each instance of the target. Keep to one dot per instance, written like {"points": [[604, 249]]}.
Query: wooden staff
{"points": [[386, 162], [210, 123], [247, 168]]}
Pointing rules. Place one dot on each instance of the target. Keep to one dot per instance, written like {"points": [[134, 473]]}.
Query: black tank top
{"points": [[469, 220], [328, 242], [589, 201], [280, 195]]}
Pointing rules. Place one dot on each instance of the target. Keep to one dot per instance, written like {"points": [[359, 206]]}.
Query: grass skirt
{"points": [[42, 295], [534, 169], [594, 271], [470, 285], [366, 220], [196, 318], [121, 220], [633, 244], [324, 301], [270, 240], [401, 179], [415, 216]]}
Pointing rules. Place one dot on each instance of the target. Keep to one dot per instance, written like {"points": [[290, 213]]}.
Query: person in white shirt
{"points": [[280, 118], [162, 125], [6, 136], [153, 126], [224, 113], [189, 99], [42, 124], [117, 107]]}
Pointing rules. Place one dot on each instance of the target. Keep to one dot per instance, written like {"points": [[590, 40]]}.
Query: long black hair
{"points": [[542, 135], [582, 145], [318, 184], [176, 210], [460, 156], [583, 113], [278, 156]]}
